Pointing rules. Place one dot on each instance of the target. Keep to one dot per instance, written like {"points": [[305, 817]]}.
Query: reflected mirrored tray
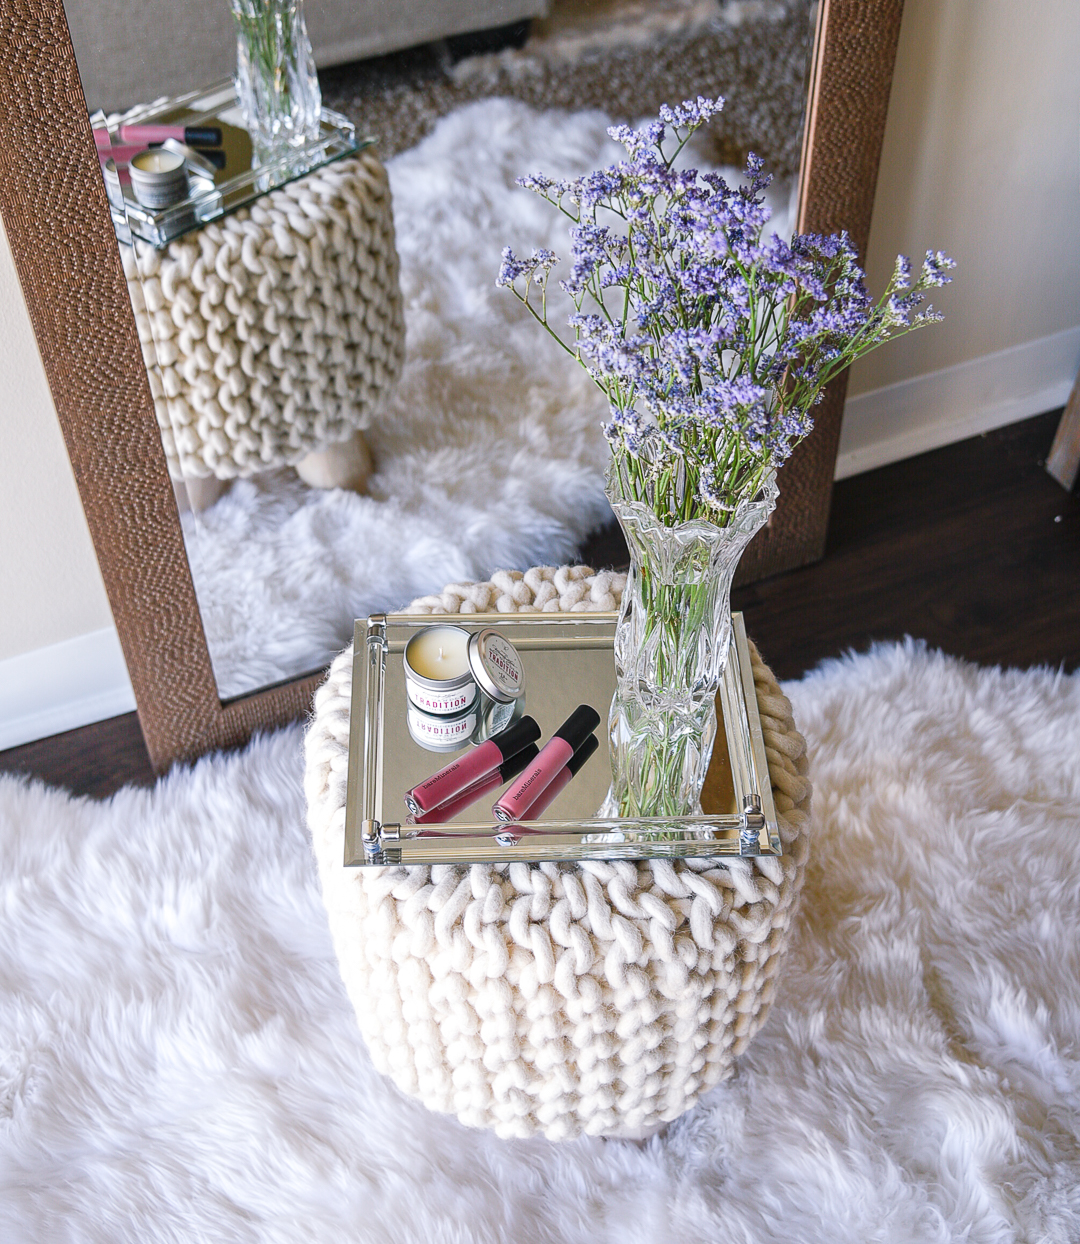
{"points": [[568, 660], [243, 173]]}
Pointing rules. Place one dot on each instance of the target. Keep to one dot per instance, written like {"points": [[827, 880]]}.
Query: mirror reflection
{"points": [[352, 413]]}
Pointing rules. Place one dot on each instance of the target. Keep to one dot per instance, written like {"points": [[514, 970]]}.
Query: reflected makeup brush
{"points": [[470, 768], [486, 786], [554, 756]]}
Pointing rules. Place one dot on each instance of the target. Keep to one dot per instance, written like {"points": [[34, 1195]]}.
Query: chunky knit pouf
{"points": [[570, 998], [276, 331]]}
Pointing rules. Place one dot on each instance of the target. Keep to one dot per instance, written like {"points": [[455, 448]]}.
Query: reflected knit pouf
{"points": [[561, 999], [276, 331]]}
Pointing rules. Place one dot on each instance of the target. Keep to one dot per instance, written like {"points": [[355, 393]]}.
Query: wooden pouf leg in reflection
{"points": [[558, 999]]}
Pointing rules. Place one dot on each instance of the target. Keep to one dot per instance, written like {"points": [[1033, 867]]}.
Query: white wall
{"points": [[982, 159], [50, 588]]}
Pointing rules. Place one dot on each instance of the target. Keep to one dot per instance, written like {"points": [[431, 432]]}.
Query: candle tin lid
{"points": [[496, 666]]}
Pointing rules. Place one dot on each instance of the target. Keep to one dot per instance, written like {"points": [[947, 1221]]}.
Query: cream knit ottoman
{"points": [[274, 332], [560, 999]]}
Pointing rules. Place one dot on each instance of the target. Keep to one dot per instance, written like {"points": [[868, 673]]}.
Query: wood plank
{"points": [[1063, 460]]}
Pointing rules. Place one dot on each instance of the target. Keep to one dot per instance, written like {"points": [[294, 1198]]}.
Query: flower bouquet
{"points": [[712, 343]]}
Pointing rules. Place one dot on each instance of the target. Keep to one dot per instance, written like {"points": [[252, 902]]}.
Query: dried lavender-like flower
{"points": [[712, 338]]}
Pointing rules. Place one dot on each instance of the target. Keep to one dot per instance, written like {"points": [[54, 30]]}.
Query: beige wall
{"points": [[982, 160], [50, 588]]}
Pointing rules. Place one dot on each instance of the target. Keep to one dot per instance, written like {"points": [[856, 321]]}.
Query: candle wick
{"points": [[440, 654]]}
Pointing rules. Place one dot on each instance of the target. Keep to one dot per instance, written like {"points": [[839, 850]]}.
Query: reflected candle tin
{"points": [[477, 723], [445, 733]]}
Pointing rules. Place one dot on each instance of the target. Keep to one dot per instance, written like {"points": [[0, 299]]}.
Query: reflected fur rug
{"points": [[489, 453], [178, 1059]]}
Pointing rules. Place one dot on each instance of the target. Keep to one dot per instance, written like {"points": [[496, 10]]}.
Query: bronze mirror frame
{"points": [[52, 200]]}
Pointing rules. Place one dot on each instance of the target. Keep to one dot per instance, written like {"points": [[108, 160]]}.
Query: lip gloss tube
{"points": [[463, 772], [561, 780], [554, 755], [447, 811], [121, 153], [192, 135]]}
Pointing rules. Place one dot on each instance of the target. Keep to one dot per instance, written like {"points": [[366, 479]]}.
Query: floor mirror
{"points": [[229, 606]]}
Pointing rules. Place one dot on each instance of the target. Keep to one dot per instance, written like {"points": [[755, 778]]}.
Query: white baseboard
{"points": [[901, 420], [63, 686]]}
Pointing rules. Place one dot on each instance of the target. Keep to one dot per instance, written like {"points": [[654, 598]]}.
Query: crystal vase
{"points": [[671, 646], [276, 84]]}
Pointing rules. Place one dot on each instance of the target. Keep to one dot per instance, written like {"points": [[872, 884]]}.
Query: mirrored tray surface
{"points": [[568, 660], [246, 174]]}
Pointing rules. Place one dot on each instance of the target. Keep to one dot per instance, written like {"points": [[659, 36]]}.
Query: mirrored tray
{"points": [[245, 176], [568, 660]]}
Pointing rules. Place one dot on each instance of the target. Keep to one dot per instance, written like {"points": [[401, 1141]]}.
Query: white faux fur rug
{"points": [[490, 453], [178, 1060]]}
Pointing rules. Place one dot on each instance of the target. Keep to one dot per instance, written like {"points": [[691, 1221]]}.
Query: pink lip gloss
{"points": [[192, 135], [486, 786], [463, 772], [554, 755], [561, 780]]}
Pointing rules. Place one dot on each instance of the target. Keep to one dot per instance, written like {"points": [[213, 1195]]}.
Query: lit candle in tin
{"points": [[437, 674], [439, 652], [158, 177]]}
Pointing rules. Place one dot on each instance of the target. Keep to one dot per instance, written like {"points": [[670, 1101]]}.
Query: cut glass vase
{"points": [[277, 87], [671, 644]]}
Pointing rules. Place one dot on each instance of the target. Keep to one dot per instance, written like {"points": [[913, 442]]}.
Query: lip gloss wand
{"points": [[470, 795], [562, 780], [470, 768], [554, 756]]}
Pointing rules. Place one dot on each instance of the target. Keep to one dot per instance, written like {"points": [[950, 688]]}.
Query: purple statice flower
{"points": [[628, 429], [591, 246], [711, 336], [514, 269], [638, 142], [934, 270], [692, 113]]}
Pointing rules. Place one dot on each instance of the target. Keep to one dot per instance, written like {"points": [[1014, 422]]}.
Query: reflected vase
{"points": [[277, 87], [671, 647]]}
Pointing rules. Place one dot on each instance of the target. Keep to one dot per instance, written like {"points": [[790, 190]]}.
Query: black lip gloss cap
{"points": [[202, 135], [519, 762], [582, 754], [511, 740], [578, 726]]}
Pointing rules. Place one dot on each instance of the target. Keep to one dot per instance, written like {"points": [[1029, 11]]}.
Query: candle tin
{"points": [[158, 178], [442, 696], [494, 668]]}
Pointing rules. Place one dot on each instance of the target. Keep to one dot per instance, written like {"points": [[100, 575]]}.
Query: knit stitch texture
{"points": [[557, 998], [277, 330]]}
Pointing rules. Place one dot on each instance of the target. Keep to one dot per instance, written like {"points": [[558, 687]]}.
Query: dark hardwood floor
{"points": [[972, 547]]}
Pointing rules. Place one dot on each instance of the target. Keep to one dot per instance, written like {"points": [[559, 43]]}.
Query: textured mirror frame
{"points": [[52, 200]]}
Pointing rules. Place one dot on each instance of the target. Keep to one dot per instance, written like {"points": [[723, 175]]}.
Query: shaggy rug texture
{"points": [[178, 1059], [488, 454], [625, 57]]}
